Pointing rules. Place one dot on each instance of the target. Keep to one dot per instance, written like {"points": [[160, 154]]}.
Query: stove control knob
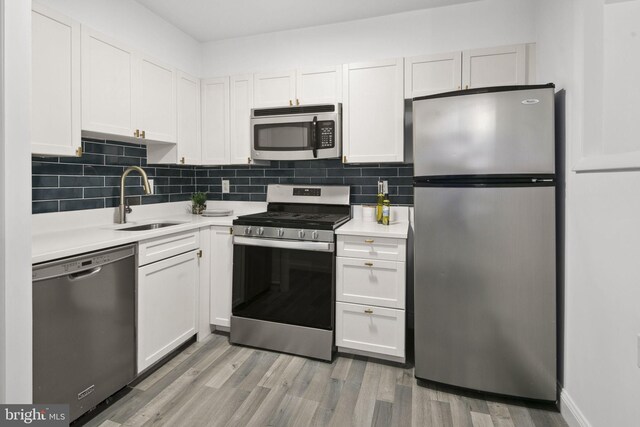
{"points": [[247, 230], [280, 232], [314, 235], [301, 234], [260, 231]]}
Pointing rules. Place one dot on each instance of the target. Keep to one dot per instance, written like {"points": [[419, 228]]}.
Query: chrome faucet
{"points": [[124, 208]]}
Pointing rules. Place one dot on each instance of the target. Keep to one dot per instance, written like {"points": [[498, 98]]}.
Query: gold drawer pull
{"points": [[369, 241], [368, 264], [368, 311]]}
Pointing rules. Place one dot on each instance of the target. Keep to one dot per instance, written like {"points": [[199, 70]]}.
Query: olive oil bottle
{"points": [[380, 203]]}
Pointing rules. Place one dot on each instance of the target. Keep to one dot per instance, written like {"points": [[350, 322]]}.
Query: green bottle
{"points": [[380, 203]]}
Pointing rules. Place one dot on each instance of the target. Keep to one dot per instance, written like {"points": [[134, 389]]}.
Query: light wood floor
{"points": [[215, 384]]}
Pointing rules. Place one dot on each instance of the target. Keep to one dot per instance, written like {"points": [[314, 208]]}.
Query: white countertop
{"points": [[398, 228], [65, 234], [358, 227]]}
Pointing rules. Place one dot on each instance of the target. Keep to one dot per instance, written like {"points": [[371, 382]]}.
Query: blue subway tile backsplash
{"points": [[93, 180]]}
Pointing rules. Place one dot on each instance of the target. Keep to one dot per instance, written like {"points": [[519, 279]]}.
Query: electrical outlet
{"points": [[151, 187], [225, 185]]}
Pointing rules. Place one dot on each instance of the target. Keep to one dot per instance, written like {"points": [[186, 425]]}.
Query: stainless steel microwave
{"points": [[297, 133]]}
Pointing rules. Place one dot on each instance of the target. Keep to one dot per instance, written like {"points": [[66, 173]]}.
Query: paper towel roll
{"points": [[368, 213]]}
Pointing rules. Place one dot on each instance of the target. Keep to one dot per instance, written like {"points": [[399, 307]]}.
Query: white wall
{"points": [[471, 25], [137, 26], [15, 203], [602, 292]]}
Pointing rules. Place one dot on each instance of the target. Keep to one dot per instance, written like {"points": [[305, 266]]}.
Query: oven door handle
{"points": [[284, 244]]}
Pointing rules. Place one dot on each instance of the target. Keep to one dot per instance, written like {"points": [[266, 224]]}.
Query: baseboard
{"points": [[570, 411]]}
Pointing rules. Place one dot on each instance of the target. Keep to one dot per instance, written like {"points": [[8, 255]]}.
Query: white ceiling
{"points": [[207, 20]]}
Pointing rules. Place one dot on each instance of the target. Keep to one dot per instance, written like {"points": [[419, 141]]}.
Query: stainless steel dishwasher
{"points": [[84, 328]]}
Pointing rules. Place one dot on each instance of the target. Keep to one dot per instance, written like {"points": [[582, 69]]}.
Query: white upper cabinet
{"points": [[55, 96], [241, 103], [373, 112], [155, 99], [319, 85], [429, 74], [124, 92], [215, 121], [274, 89], [107, 85], [498, 66], [189, 129]]}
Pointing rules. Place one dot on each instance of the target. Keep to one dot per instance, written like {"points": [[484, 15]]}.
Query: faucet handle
{"points": [[127, 208]]}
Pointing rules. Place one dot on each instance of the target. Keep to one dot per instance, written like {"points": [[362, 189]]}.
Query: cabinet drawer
{"points": [[166, 246], [372, 248], [373, 329], [363, 281]]}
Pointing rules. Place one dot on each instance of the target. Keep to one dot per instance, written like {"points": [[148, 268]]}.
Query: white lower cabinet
{"points": [[167, 306], [371, 329], [382, 248], [365, 281], [371, 296], [221, 276]]}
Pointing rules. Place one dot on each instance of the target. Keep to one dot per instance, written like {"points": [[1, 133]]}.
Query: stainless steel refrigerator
{"points": [[485, 240]]}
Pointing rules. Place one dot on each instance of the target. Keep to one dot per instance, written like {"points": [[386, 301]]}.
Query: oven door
{"points": [[284, 281], [296, 137]]}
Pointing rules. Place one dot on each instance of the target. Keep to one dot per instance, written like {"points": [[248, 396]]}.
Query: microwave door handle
{"points": [[314, 137]]}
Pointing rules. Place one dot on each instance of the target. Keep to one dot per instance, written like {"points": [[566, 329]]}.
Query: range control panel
{"points": [[305, 191]]}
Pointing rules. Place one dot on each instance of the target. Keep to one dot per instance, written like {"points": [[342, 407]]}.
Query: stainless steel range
{"points": [[284, 270]]}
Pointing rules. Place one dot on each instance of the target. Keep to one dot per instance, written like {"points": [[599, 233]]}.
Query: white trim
{"points": [[570, 411], [603, 162]]}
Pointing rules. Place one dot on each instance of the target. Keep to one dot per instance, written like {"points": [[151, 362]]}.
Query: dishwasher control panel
{"points": [[80, 263]]}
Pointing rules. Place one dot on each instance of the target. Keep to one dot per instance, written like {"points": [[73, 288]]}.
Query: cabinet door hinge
{"points": [[200, 253]]}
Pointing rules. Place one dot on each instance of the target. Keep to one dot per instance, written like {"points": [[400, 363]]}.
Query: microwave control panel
{"points": [[326, 130]]}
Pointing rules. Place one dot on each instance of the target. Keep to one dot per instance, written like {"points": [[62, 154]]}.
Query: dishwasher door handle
{"points": [[85, 274]]}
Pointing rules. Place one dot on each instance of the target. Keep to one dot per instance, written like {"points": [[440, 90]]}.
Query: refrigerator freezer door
{"points": [[485, 295], [510, 132]]}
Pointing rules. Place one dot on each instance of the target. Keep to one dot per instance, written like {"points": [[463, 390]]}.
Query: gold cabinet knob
{"points": [[368, 264], [137, 133], [369, 241], [368, 311], [79, 152], [297, 101], [182, 160], [290, 103], [143, 134]]}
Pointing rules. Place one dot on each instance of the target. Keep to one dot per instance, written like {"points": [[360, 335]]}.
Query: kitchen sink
{"points": [[151, 226]]}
